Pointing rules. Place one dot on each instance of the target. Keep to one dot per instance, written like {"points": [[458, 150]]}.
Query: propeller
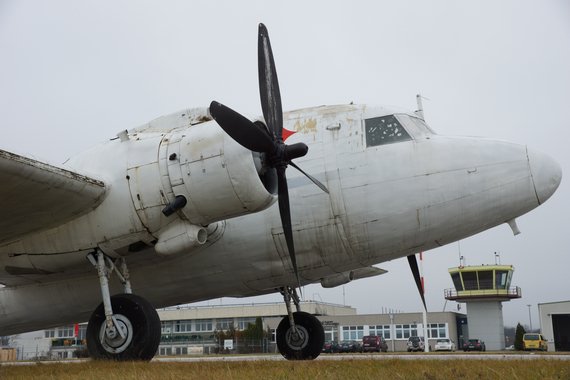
{"points": [[268, 141], [416, 272]]}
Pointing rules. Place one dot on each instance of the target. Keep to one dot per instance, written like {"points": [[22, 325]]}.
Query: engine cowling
{"points": [[218, 177]]}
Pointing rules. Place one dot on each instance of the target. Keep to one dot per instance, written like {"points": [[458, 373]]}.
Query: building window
{"points": [[470, 280], [204, 325], [274, 336], [82, 332], [49, 333], [165, 351], [437, 330], [384, 130], [331, 333], [181, 350], [485, 279], [65, 332], [380, 330], [182, 326], [406, 331], [352, 332], [457, 281], [242, 323], [224, 324], [501, 279], [166, 327]]}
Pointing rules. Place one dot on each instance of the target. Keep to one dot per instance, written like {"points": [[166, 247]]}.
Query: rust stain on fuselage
{"points": [[306, 126]]}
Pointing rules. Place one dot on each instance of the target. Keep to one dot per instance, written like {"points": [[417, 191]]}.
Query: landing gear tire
{"points": [[140, 325], [307, 344]]}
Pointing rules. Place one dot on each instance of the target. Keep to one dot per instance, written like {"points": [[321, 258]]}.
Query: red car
{"points": [[374, 343], [330, 347]]}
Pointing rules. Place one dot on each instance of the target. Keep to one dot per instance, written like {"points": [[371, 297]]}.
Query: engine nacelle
{"points": [[218, 177]]}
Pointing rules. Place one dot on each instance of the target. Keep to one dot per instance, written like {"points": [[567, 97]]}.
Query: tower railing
{"points": [[511, 292]]}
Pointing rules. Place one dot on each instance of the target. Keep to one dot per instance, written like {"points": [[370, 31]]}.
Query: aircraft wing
{"points": [[36, 196]]}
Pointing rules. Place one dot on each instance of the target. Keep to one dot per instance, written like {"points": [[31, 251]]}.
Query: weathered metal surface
{"points": [[35, 196], [384, 202]]}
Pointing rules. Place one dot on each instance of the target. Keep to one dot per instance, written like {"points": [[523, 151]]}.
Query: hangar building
{"points": [[555, 324]]}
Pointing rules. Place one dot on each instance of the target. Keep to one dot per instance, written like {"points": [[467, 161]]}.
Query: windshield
{"points": [[416, 127], [384, 130], [421, 124], [531, 337]]}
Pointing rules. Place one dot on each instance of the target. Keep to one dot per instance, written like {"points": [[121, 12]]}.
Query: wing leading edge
{"points": [[35, 196]]}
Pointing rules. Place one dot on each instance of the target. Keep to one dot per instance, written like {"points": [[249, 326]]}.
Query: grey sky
{"points": [[72, 74]]}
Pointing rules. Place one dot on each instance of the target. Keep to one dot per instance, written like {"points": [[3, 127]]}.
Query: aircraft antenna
{"points": [[420, 111], [461, 258]]}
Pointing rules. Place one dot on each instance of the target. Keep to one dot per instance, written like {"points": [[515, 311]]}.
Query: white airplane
{"points": [[183, 208]]}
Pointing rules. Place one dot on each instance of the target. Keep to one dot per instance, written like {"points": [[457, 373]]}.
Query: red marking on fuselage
{"points": [[285, 133]]}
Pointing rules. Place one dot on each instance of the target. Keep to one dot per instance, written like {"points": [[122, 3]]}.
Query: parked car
{"points": [[330, 347], [474, 345], [350, 346], [534, 342], [445, 345], [416, 343], [374, 343]]}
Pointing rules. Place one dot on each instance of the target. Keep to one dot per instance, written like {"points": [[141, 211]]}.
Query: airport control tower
{"points": [[483, 289]]}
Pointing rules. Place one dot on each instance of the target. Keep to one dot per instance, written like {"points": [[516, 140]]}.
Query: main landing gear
{"points": [[124, 326], [300, 335]]}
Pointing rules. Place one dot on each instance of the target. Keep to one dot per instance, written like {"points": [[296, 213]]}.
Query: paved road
{"points": [[333, 357]]}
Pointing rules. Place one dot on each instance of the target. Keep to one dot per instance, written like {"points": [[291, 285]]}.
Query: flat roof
{"points": [[480, 268]]}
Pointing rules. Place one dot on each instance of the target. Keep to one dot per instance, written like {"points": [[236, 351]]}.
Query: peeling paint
{"points": [[306, 126]]}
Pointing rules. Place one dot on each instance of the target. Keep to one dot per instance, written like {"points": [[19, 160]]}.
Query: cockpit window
{"points": [[384, 130], [422, 124]]}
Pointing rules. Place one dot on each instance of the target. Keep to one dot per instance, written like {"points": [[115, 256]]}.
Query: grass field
{"points": [[343, 369]]}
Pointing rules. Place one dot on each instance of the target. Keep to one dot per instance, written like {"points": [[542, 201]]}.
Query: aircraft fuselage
{"points": [[395, 188]]}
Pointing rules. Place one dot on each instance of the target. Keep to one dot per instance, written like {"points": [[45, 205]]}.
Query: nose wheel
{"points": [[304, 341], [300, 335]]}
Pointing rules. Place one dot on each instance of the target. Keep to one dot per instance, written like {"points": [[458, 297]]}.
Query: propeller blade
{"points": [[285, 213], [269, 85], [313, 179], [416, 272], [241, 129]]}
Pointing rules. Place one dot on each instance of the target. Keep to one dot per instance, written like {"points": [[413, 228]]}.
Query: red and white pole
{"points": [[426, 340]]}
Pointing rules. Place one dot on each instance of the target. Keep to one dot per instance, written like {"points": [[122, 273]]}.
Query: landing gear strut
{"points": [[124, 326], [300, 335]]}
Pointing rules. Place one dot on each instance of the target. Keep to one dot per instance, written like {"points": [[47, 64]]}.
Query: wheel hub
{"points": [[297, 340], [117, 341]]}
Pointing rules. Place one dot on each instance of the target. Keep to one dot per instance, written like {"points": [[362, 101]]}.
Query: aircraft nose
{"points": [[546, 174]]}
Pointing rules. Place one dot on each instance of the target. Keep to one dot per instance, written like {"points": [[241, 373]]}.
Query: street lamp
{"points": [[529, 317]]}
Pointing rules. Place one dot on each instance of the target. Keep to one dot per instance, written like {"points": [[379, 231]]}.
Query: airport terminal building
{"points": [[188, 330]]}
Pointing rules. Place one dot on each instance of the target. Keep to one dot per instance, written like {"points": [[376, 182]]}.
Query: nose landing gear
{"points": [[300, 335]]}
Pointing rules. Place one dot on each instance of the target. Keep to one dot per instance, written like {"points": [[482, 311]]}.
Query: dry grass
{"points": [[344, 369]]}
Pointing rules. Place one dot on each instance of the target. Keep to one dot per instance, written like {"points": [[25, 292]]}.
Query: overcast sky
{"points": [[74, 73]]}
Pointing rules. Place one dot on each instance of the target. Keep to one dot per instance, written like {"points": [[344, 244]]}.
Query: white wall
{"points": [[545, 312], [485, 321]]}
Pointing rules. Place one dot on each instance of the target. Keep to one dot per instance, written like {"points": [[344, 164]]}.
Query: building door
{"points": [[561, 330]]}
